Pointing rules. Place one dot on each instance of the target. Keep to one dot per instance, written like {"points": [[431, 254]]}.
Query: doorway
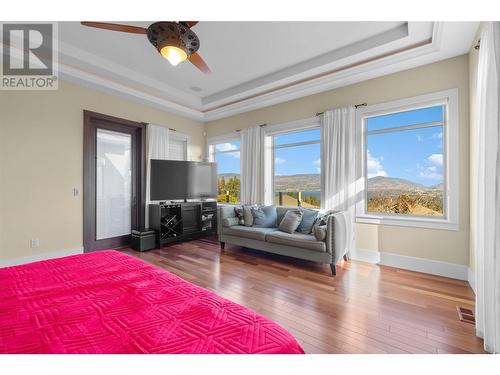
{"points": [[113, 180]]}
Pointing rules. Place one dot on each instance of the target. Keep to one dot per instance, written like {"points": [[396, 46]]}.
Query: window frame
{"points": [[270, 150], [174, 135], [450, 219], [225, 138]]}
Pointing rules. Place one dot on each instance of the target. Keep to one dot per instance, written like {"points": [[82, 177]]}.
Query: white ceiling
{"points": [[254, 64]]}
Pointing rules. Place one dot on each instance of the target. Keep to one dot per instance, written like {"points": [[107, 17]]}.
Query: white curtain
{"points": [[487, 241], [157, 148], [338, 165], [252, 166]]}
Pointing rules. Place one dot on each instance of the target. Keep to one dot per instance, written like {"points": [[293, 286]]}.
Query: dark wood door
{"points": [[113, 180]]}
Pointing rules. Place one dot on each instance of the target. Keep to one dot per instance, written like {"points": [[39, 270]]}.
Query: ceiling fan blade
{"points": [[116, 27], [197, 61], [191, 23]]}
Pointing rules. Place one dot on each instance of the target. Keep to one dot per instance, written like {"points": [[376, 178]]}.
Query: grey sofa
{"points": [[297, 245]]}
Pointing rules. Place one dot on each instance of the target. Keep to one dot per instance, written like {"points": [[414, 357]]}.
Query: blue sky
{"points": [[299, 159], [418, 116], [228, 162], [415, 155]]}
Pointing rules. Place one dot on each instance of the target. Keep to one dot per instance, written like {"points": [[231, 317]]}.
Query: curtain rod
{"points": [[261, 125], [146, 124], [355, 106]]}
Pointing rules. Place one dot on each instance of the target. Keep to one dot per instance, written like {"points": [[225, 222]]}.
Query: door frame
{"points": [[91, 122]]}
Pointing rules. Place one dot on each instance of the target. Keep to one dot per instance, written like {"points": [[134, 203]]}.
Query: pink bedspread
{"points": [[109, 302]]}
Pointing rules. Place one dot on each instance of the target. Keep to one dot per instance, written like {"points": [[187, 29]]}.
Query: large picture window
{"points": [[407, 147], [296, 166], [227, 156], [404, 162]]}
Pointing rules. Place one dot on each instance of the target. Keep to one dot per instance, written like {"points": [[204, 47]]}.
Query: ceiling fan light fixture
{"points": [[175, 41], [173, 54]]}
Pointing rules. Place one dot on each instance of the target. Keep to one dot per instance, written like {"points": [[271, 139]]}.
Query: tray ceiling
{"points": [[254, 64]]}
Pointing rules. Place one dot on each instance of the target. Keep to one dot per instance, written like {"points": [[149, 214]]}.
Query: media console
{"points": [[177, 221]]}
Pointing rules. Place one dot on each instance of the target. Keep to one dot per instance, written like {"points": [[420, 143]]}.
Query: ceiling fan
{"points": [[175, 41]]}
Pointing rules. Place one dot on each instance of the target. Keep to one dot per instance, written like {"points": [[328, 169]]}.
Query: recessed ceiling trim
{"points": [[313, 64], [76, 75], [322, 75], [70, 55], [461, 36], [370, 64]]}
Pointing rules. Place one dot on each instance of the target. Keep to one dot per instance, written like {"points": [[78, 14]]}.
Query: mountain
{"points": [[297, 182], [437, 187], [380, 183], [390, 183], [311, 182]]}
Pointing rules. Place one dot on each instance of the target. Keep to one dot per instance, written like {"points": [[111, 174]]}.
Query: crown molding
{"points": [[94, 81], [340, 77], [306, 69], [91, 63]]}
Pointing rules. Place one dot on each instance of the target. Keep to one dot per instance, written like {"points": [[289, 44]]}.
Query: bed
{"points": [[110, 302]]}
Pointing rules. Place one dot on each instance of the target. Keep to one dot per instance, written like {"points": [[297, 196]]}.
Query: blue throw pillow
{"points": [[264, 217], [308, 218]]}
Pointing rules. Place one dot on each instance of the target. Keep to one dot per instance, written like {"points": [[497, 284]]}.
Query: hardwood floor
{"points": [[366, 308]]}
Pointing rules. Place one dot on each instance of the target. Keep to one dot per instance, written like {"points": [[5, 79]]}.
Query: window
{"points": [[227, 156], [296, 166], [178, 146], [177, 149], [407, 146]]}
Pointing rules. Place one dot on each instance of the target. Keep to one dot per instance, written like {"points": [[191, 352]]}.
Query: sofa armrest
{"points": [[338, 234], [224, 212]]}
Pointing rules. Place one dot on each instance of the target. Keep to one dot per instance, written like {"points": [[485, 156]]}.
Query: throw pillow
{"points": [[320, 232], [308, 218], [247, 216], [264, 217], [322, 218], [290, 221], [230, 221], [239, 214]]}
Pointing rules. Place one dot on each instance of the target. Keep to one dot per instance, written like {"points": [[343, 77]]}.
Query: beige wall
{"points": [[441, 245], [41, 147], [473, 63], [41, 157]]}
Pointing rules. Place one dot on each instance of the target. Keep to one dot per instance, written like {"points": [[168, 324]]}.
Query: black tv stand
{"points": [[179, 221]]}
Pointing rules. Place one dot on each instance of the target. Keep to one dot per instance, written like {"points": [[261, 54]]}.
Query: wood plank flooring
{"points": [[366, 308]]}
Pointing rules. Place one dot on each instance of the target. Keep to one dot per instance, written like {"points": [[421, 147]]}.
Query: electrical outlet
{"points": [[34, 242], [76, 192]]}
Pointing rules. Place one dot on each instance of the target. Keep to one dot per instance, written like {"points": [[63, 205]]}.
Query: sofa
{"points": [[330, 250]]}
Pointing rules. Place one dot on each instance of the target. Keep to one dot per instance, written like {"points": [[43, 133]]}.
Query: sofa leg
{"points": [[345, 257], [222, 245], [334, 269]]}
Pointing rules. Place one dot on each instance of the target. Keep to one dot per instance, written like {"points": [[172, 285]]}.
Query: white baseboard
{"points": [[471, 278], [42, 256], [369, 256], [433, 267]]}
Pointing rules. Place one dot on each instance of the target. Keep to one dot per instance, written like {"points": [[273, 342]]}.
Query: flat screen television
{"points": [[175, 179]]}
